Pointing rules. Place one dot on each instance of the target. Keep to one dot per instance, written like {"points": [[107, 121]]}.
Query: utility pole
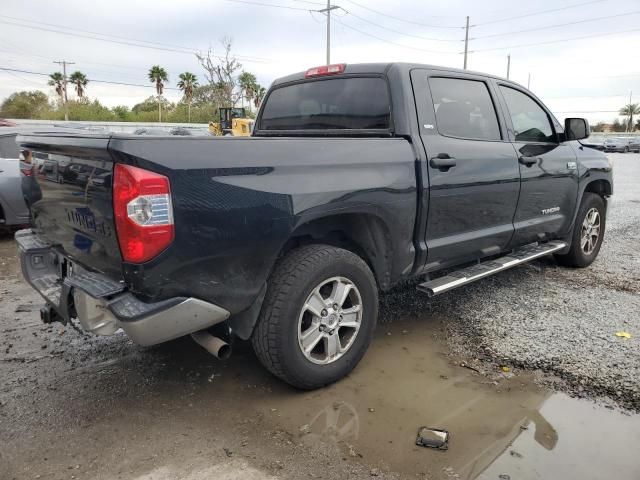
{"points": [[508, 65], [328, 12], [64, 87], [466, 43]]}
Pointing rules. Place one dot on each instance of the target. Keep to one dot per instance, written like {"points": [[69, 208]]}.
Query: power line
{"points": [[522, 45], [66, 27], [404, 19], [130, 42], [398, 31], [90, 79], [556, 25], [540, 12], [274, 5], [390, 42]]}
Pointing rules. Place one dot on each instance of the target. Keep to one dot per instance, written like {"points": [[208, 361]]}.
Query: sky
{"points": [[581, 57]]}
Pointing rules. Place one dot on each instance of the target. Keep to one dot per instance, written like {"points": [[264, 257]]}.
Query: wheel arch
{"points": [[363, 234], [600, 186]]}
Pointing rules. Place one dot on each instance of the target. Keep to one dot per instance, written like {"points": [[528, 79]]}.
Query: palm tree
{"points": [[188, 81], [629, 111], [80, 82], [248, 84], [158, 75], [259, 95], [56, 80]]}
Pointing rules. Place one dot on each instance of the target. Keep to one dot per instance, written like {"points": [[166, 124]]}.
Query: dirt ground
{"points": [[74, 406]]}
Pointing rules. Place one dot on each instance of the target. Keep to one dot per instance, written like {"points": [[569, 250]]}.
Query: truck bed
{"points": [[235, 203]]}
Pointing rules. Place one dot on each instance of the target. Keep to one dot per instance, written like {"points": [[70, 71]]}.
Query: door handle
{"points": [[442, 162], [528, 161]]}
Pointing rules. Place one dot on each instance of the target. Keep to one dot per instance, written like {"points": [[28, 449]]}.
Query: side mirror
{"points": [[576, 128]]}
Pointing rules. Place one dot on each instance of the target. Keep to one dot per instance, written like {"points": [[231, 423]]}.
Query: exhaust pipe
{"points": [[214, 345]]}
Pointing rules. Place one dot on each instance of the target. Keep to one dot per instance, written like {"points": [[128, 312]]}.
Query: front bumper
{"points": [[103, 305]]}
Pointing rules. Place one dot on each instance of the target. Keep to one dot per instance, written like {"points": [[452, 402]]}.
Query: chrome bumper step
{"points": [[484, 269]]}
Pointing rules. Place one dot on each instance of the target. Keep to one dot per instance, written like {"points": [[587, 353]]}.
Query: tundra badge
{"points": [[547, 211]]}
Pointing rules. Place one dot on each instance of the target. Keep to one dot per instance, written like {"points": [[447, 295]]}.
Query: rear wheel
{"points": [[588, 233], [318, 316]]}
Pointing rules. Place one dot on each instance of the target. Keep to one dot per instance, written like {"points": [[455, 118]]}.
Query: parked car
{"points": [[617, 144], [634, 144], [356, 178], [13, 211], [6, 123]]}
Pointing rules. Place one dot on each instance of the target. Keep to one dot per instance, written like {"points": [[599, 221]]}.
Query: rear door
{"points": [[548, 169], [472, 168]]}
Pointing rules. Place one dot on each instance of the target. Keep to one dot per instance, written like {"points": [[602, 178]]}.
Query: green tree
{"points": [[121, 113], [56, 80], [248, 84], [80, 82], [158, 75], [259, 96], [629, 111], [34, 104], [188, 81]]}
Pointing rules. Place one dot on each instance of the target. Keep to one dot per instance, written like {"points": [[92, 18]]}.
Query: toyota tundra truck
{"points": [[355, 178]]}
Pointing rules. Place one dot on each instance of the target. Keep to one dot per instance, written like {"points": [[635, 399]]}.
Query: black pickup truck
{"points": [[356, 177]]}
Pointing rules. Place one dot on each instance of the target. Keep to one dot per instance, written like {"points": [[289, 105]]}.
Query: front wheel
{"points": [[318, 316], [588, 233]]}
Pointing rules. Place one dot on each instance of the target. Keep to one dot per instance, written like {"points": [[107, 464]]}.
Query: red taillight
{"points": [[143, 213], [325, 70]]}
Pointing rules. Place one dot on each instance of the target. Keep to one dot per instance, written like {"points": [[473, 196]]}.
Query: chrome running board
{"points": [[476, 272]]}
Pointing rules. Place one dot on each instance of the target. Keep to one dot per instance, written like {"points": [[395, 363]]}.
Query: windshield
{"points": [[356, 103]]}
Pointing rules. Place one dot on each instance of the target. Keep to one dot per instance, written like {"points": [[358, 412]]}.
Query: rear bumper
{"points": [[103, 305]]}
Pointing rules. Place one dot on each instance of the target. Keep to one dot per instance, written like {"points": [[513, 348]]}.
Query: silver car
{"points": [[618, 144], [13, 210]]}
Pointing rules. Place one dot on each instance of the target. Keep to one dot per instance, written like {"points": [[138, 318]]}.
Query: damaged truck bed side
{"points": [[355, 178]]}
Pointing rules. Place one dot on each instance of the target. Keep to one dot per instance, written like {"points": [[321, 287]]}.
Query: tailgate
{"points": [[71, 203]]}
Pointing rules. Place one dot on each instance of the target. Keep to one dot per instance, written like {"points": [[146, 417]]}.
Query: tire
{"points": [[580, 255], [285, 314], [626, 149]]}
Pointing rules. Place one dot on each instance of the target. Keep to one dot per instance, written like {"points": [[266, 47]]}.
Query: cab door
{"points": [[548, 168], [473, 173]]}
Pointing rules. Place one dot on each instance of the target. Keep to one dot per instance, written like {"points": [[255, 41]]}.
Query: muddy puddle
{"points": [[407, 381]]}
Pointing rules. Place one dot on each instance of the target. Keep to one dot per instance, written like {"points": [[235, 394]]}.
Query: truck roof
{"points": [[381, 68]]}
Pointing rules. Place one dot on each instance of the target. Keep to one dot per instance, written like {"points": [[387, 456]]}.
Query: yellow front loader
{"points": [[233, 122]]}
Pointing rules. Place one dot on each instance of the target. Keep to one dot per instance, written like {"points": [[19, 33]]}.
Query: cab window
{"points": [[530, 122]]}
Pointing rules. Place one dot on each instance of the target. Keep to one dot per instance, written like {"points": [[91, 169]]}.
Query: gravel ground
{"points": [[562, 321]]}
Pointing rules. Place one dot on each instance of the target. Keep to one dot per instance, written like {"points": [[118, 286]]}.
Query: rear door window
{"points": [[464, 109], [355, 103]]}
